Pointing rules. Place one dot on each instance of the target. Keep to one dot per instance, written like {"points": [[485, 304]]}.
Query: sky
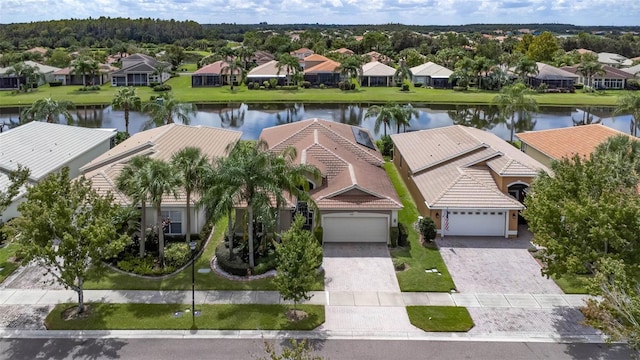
{"points": [[410, 12]]}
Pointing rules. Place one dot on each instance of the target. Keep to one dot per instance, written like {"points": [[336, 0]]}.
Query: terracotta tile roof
{"points": [[301, 51], [328, 66], [344, 51], [160, 143], [453, 166], [316, 57], [554, 142], [353, 177]]}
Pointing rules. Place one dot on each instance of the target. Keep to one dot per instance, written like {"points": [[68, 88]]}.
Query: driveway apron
{"points": [[361, 270]]}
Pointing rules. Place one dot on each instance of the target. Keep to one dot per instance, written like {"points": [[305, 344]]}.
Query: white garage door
{"points": [[349, 228], [475, 222]]}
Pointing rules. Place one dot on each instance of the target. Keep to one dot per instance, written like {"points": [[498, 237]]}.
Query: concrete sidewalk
{"points": [[337, 298]]}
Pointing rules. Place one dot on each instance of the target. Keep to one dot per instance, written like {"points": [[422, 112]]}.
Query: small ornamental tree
{"points": [[17, 178], [68, 229], [298, 257], [427, 229]]}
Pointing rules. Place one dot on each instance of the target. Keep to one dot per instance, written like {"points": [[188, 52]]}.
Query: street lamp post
{"points": [[192, 246]]}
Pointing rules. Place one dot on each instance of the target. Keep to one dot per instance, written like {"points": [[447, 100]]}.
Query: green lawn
{"points": [[440, 318], [188, 67], [416, 256], [112, 280], [6, 255], [184, 92], [573, 284], [161, 316]]}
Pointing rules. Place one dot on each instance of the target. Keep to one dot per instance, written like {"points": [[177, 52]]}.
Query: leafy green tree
{"points": [[192, 167], [589, 210], [298, 257], [589, 69], [133, 183], [235, 70], [86, 66], [543, 47], [427, 228], [31, 74], [463, 73], [48, 110], [17, 179], [524, 68], [289, 63], [59, 58], [127, 99], [412, 57], [630, 103], [67, 228], [175, 55], [166, 111], [351, 68], [481, 67], [515, 99]]}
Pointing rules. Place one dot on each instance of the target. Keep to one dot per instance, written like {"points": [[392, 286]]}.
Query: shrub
{"points": [[427, 229], [580, 86], [417, 85], [55, 83], [177, 254], [233, 266], [632, 84], [288, 87], [323, 86], [306, 84], [405, 87], [154, 84], [317, 232], [273, 82], [393, 235], [266, 84], [403, 234], [385, 145], [542, 88], [136, 265], [162, 87], [152, 98], [399, 264]]}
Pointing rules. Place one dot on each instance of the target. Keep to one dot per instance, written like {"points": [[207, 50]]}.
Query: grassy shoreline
{"points": [[181, 87]]}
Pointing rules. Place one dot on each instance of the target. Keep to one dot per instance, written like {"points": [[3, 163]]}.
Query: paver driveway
{"points": [[361, 268], [495, 265]]}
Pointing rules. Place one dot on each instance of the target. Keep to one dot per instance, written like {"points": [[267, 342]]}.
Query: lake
{"points": [[252, 118]]}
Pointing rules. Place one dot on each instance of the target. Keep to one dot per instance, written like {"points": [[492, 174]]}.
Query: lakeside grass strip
{"points": [[440, 318], [416, 256], [161, 317]]}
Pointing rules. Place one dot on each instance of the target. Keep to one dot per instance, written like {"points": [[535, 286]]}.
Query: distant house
{"points": [[633, 70], [140, 70], [555, 144], [614, 60], [67, 76], [160, 143], [10, 82], [553, 77], [46, 148], [344, 51], [214, 74], [261, 57], [377, 74], [313, 60], [613, 78], [302, 53], [326, 73], [268, 71], [431, 74], [376, 56]]}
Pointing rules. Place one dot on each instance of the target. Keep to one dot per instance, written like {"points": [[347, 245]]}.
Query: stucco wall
{"points": [[537, 155]]}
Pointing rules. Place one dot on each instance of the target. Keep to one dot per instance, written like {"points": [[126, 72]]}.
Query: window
{"points": [[302, 208], [175, 221]]}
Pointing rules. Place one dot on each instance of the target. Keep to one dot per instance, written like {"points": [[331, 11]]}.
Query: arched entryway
{"points": [[519, 191]]}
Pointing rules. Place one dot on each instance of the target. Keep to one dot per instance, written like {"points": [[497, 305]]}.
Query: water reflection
{"points": [[252, 118]]}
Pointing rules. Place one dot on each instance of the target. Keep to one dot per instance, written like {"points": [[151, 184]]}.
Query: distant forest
{"points": [[105, 31]]}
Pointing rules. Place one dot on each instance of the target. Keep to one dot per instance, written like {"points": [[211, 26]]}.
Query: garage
{"points": [[355, 227], [470, 222]]}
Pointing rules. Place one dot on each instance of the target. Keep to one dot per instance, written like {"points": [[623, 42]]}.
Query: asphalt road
{"points": [[228, 349]]}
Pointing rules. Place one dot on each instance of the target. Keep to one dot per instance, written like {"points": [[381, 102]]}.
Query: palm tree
{"points": [[160, 179], [133, 184], [290, 63], [384, 116], [463, 72], [163, 112], [481, 65], [351, 68], [402, 115], [402, 72], [245, 53], [525, 68], [31, 74], [127, 99], [589, 69], [85, 65], [192, 166], [630, 103], [48, 110], [515, 99], [235, 70]]}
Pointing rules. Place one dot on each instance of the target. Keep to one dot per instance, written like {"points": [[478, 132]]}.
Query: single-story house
{"points": [[214, 74], [355, 197], [326, 73], [10, 81], [67, 76], [302, 53], [613, 78], [46, 148], [160, 143], [268, 71], [469, 181], [553, 77], [555, 144], [140, 70], [431, 74], [614, 60], [377, 74]]}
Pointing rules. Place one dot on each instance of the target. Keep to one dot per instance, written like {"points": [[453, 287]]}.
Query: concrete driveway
{"points": [[495, 265]]}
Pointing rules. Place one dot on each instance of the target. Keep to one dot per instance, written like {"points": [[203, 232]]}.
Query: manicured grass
{"points": [[6, 255], [161, 316], [573, 284], [181, 86], [188, 67], [416, 256], [112, 280], [440, 318]]}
